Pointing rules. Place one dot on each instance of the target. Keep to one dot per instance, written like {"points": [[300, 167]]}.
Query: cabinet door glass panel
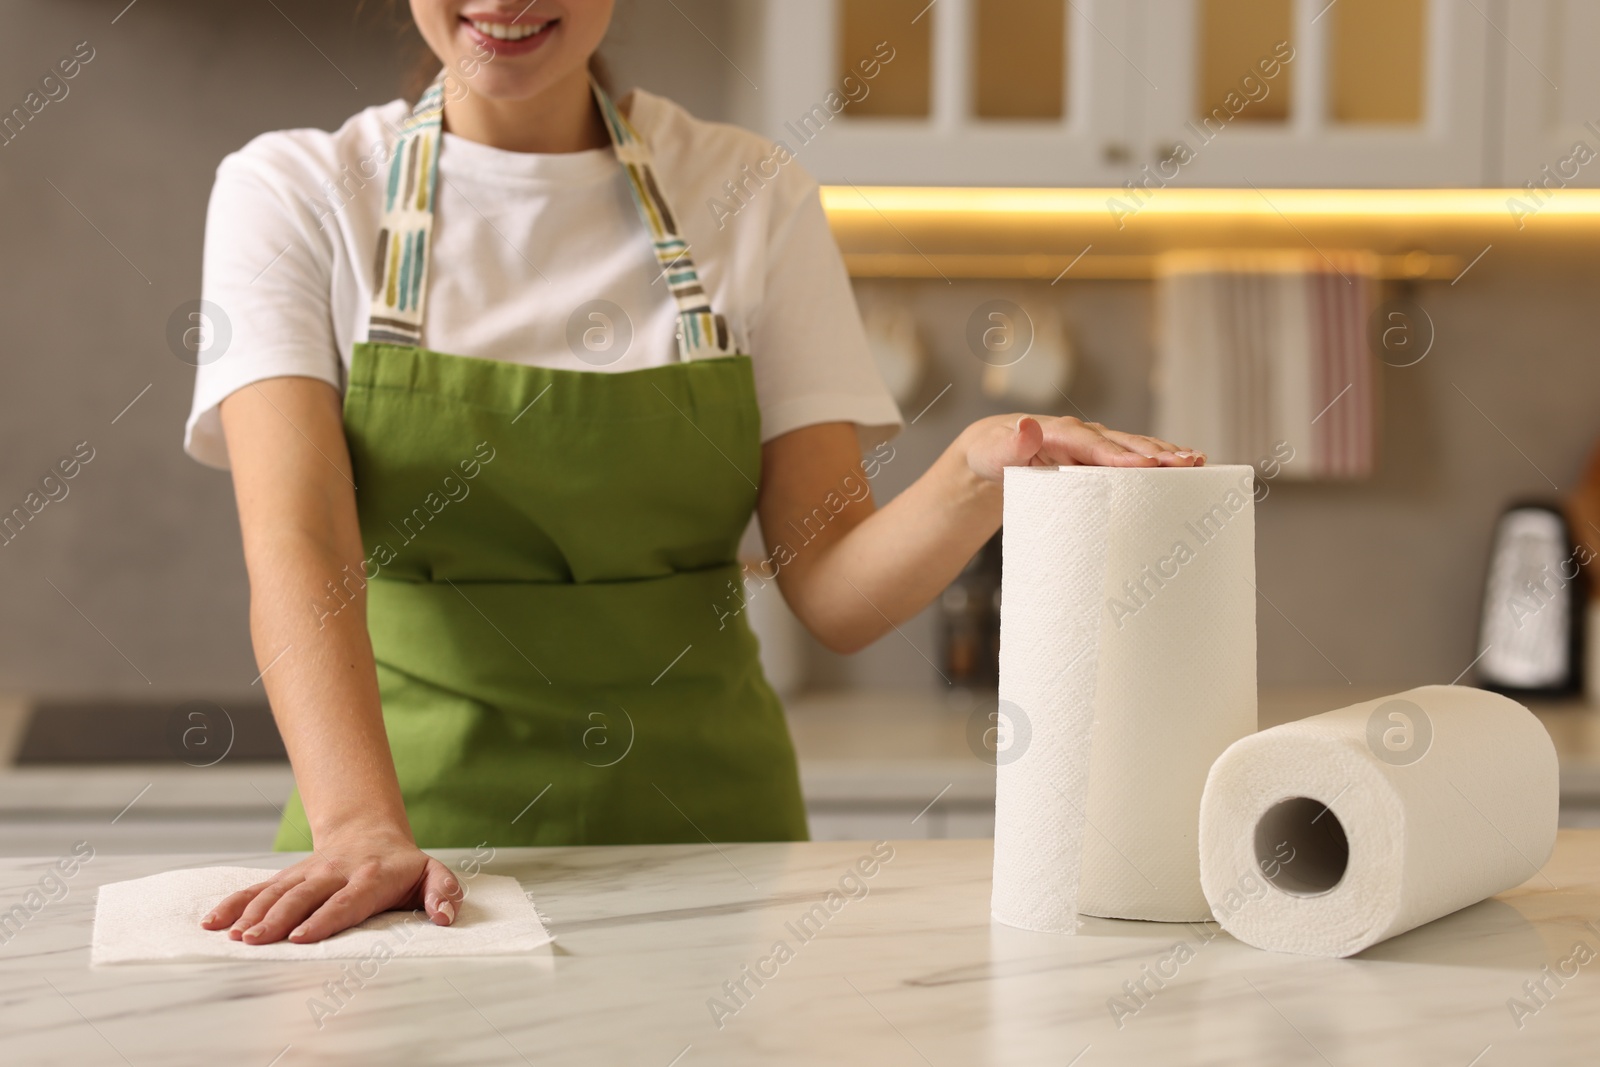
{"points": [[1378, 55], [1574, 30], [1235, 37], [871, 31], [1019, 53]]}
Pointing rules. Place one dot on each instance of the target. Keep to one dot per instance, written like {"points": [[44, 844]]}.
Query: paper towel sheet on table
{"points": [[157, 919]]}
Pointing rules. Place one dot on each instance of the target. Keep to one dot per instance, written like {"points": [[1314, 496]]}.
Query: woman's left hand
{"points": [[1048, 441]]}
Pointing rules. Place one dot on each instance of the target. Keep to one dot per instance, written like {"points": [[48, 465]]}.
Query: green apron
{"points": [[551, 565]]}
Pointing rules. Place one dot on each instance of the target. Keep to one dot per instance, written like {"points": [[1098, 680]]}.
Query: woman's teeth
{"points": [[504, 32]]}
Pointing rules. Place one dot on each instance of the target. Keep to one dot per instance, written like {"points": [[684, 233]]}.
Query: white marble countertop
{"points": [[913, 972]]}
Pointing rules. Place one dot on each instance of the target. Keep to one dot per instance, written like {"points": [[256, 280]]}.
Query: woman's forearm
{"points": [[875, 569], [302, 547], [320, 678], [894, 562]]}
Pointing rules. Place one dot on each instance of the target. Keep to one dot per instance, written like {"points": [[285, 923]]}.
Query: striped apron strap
{"points": [[400, 263], [405, 238], [701, 331]]}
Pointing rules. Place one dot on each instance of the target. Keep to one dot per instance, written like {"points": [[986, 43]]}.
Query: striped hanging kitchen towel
{"points": [[1262, 349]]}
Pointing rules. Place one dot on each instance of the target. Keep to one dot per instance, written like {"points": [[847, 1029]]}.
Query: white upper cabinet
{"points": [[990, 92], [1200, 92], [1348, 93], [1552, 95]]}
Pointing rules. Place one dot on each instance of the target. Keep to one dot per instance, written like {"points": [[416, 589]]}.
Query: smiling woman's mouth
{"points": [[509, 35]]}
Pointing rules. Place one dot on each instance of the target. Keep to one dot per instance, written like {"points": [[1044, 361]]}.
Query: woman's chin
{"points": [[511, 91]]}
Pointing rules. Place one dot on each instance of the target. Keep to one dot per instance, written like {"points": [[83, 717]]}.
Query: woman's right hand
{"points": [[339, 885]]}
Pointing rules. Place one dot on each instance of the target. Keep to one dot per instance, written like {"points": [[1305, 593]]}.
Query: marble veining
{"points": [[666, 956]]}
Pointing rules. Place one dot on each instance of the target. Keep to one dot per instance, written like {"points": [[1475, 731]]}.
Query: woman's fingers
{"points": [[358, 899], [1020, 442], [292, 907], [232, 907], [1002, 443], [441, 893], [1070, 441], [257, 909], [1044, 441], [1169, 454], [318, 908], [337, 888]]}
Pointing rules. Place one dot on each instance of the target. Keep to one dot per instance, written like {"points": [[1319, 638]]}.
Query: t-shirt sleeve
{"points": [[266, 282], [810, 354]]}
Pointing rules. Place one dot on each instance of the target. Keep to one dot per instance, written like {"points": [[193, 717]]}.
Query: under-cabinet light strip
{"points": [[1354, 203]]}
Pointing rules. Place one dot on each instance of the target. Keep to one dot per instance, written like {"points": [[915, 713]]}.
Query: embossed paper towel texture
{"points": [[1053, 547], [1470, 811], [1176, 682], [157, 919], [1149, 650]]}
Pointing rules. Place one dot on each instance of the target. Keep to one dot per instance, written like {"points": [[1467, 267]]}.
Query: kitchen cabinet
{"points": [[1367, 93], [1551, 102], [1154, 92], [952, 106]]}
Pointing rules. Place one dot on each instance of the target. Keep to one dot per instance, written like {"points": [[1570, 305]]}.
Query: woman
{"points": [[498, 405]]}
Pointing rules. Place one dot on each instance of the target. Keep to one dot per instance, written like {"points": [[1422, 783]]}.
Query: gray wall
{"points": [[1382, 578], [149, 597]]}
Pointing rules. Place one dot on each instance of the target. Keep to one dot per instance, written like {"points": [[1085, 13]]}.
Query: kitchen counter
{"points": [[874, 764], [871, 762], [912, 972]]}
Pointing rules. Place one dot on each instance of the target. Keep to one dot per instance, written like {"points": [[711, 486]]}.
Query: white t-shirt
{"points": [[521, 242]]}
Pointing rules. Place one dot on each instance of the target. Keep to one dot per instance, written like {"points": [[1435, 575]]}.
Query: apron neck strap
{"points": [[405, 238]]}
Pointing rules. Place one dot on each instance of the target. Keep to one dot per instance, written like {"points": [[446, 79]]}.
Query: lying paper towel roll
{"points": [[1127, 665], [1328, 835]]}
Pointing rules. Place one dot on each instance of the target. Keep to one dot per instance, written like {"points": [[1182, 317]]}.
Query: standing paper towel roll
{"points": [[1127, 665], [1328, 835]]}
